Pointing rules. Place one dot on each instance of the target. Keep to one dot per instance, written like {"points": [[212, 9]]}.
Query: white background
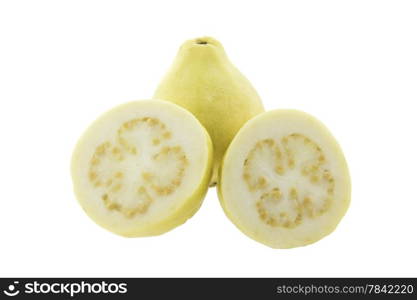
{"points": [[352, 64]]}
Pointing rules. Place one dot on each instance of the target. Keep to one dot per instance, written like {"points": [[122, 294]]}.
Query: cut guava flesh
{"points": [[284, 180], [142, 168]]}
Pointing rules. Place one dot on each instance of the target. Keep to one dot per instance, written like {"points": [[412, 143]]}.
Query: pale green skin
{"points": [[205, 82], [182, 214], [344, 181]]}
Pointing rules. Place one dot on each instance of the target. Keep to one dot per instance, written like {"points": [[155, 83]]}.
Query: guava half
{"points": [[142, 168], [284, 180]]}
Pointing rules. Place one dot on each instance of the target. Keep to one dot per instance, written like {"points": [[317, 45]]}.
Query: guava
{"points": [[204, 81], [284, 180], [142, 168]]}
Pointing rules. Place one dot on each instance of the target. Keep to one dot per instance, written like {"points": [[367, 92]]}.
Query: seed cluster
{"points": [[279, 218], [165, 155], [292, 153], [112, 184]]}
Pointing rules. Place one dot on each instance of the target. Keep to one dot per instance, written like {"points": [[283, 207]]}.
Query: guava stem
{"points": [[201, 42]]}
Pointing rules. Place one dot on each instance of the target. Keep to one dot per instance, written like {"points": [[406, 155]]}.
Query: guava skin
{"points": [[204, 81]]}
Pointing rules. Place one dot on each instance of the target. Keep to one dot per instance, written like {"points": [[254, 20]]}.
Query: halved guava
{"points": [[284, 180], [142, 168]]}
